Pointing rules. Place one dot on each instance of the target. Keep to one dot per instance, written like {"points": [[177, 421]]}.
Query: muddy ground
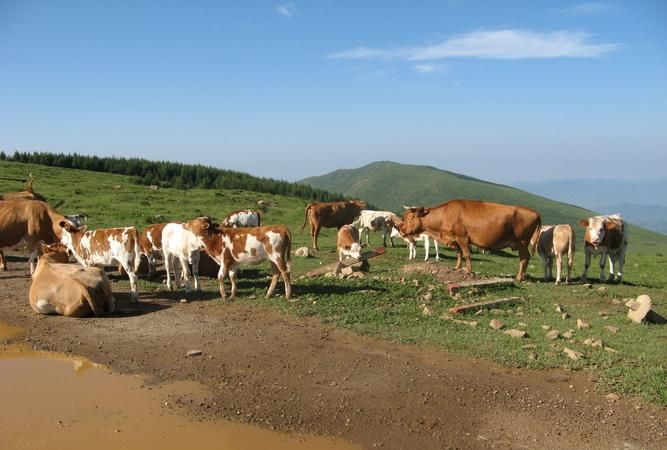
{"points": [[296, 374]]}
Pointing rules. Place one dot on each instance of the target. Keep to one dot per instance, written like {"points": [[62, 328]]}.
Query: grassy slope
{"points": [[391, 185], [387, 303]]}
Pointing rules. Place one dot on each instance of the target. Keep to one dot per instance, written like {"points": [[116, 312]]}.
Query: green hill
{"points": [[391, 185]]}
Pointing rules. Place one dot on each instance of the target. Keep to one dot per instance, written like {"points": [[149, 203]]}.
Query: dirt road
{"points": [[296, 374]]}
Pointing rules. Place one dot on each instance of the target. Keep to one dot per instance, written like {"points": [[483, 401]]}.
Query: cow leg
{"points": [[427, 248], [570, 262], [524, 259], [459, 258], [287, 279], [3, 266], [587, 264], [621, 263], [612, 267], [550, 258], [32, 259], [559, 266], [232, 278], [437, 250], [603, 261], [464, 249], [168, 262], [384, 238], [222, 274], [545, 263], [194, 260], [274, 280]]}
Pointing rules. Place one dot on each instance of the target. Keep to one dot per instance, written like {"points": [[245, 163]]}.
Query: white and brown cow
{"points": [[243, 218], [382, 221], [347, 243], [150, 244], [178, 242], [556, 241], [29, 220], [412, 240], [606, 236], [104, 247], [68, 289], [231, 247]]}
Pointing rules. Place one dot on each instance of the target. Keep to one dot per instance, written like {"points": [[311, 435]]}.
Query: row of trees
{"points": [[176, 175]]}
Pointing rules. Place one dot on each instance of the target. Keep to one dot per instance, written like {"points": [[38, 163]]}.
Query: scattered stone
{"points": [[587, 286], [516, 333], [154, 187], [523, 325], [572, 354], [427, 311], [545, 327], [603, 313], [568, 334], [184, 300], [532, 356], [565, 316], [497, 312], [304, 252], [616, 301], [536, 310], [496, 324], [612, 397], [519, 313], [597, 343], [558, 308], [640, 310], [581, 324], [602, 288], [612, 329], [553, 335], [611, 350], [356, 275], [194, 353], [427, 297]]}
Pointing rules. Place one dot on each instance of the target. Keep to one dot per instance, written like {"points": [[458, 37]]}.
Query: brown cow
{"points": [[150, 244], [556, 240], [68, 289], [330, 215], [460, 223], [231, 247], [104, 247], [32, 221]]}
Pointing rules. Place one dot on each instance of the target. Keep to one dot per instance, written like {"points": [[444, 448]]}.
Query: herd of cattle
{"points": [[240, 239]]}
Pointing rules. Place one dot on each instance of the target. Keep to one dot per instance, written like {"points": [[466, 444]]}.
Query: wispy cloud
{"points": [[430, 68], [497, 44], [585, 9], [287, 10]]}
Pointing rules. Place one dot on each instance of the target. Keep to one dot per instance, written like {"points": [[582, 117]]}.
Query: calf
{"points": [[179, 242], [412, 240], [231, 247], [243, 218], [383, 221], [104, 247], [68, 289], [150, 243], [347, 243], [555, 240], [605, 236]]}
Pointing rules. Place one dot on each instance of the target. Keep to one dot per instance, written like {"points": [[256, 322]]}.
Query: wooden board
{"points": [[486, 282], [485, 305]]}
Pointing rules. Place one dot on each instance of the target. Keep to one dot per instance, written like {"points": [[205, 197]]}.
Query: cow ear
{"points": [[583, 223], [609, 225], [421, 211]]}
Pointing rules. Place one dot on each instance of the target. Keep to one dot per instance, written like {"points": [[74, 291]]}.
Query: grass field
{"points": [[388, 302]]}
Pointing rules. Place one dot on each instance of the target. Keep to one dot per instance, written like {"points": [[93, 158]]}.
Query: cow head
{"points": [[69, 230], [353, 250], [596, 228], [360, 204], [54, 252], [202, 226], [412, 221]]}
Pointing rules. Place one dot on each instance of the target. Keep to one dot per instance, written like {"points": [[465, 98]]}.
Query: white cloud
{"points": [[430, 68], [498, 44], [585, 9], [287, 9]]}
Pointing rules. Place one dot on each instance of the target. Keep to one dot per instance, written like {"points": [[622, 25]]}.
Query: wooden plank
{"points": [[485, 305], [486, 282]]}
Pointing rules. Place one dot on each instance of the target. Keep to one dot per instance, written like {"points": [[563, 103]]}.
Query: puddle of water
{"points": [[46, 405], [7, 331]]}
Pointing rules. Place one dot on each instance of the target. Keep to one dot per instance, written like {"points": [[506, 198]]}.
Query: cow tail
{"points": [[572, 247], [137, 253], [288, 251], [535, 239], [305, 220], [260, 217]]}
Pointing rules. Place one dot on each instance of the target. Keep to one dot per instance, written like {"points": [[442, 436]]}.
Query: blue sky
{"points": [[501, 90]]}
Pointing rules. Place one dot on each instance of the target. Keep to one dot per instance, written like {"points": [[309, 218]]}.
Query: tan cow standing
{"points": [[29, 220], [231, 247], [330, 215], [69, 289], [462, 223], [556, 240]]}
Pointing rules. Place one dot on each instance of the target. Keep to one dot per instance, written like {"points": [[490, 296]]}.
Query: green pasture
{"points": [[388, 302]]}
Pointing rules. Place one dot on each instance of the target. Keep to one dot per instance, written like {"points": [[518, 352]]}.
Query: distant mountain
{"points": [[390, 185], [642, 203]]}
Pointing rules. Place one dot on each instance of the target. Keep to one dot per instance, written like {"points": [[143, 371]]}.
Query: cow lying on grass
{"points": [[231, 247], [69, 289]]}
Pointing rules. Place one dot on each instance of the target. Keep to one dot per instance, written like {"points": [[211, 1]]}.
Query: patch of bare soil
{"points": [[439, 271], [292, 373]]}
